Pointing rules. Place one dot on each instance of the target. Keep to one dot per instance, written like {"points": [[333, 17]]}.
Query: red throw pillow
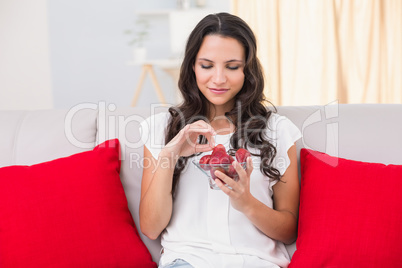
{"points": [[350, 213], [69, 212]]}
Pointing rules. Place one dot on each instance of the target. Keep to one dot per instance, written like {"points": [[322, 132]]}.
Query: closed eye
{"points": [[233, 67], [206, 66]]}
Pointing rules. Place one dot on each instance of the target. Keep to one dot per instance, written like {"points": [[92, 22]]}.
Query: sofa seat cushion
{"points": [[350, 213], [69, 212]]}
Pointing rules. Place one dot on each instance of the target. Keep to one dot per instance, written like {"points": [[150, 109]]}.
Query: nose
{"points": [[219, 76]]}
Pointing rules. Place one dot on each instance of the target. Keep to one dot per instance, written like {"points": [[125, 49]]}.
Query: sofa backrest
{"points": [[30, 137], [365, 132]]}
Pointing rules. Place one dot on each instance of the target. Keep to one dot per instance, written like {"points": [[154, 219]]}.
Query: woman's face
{"points": [[218, 68]]}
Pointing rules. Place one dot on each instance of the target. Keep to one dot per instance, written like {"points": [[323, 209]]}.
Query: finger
{"points": [[249, 166], [200, 148], [199, 127], [223, 187], [239, 169], [211, 140], [228, 185], [225, 178], [200, 131], [200, 124], [208, 131], [194, 132]]}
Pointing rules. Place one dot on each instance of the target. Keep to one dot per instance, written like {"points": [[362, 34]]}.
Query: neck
{"points": [[222, 125], [220, 110]]}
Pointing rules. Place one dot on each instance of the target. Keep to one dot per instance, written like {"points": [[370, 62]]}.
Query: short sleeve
{"points": [[152, 131], [283, 133]]}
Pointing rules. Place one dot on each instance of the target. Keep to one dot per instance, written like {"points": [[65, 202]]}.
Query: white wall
{"points": [[59, 53], [25, 80]]}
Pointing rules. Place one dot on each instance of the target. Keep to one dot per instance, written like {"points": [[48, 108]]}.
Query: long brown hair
{"points": [[249, 115]]}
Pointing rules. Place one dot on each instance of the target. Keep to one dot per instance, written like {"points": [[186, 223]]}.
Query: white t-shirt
{"points": [[205, 230]]}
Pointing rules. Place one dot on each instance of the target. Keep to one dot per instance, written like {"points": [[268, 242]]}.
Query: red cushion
{"points": [[69, 212], [350, 213]]}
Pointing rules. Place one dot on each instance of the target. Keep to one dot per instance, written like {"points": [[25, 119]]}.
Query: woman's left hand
{"points": [[239, 192]]}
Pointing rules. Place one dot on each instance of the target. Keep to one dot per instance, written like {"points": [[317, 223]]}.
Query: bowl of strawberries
{"points": [[220, 160]]}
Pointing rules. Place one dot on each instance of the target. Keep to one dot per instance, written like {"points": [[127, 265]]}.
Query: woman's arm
{"points": [[156, 193], [156, 202], [279, 223]]}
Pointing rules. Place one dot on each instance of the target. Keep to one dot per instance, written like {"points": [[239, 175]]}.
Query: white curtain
{"points": [[321, 51]]}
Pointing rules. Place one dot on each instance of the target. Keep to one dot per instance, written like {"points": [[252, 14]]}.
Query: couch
{"points": [[369, 133]]}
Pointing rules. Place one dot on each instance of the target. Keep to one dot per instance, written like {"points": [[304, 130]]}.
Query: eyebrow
{"points": [[229, 61]]}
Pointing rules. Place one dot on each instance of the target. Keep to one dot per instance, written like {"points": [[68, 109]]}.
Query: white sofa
{"points": [[365, 132]]}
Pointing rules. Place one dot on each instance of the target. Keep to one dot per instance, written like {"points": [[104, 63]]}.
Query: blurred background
{"points": [[58, 53]]}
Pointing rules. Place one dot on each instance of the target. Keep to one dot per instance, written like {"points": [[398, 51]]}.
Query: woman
{"points": [[246, 223]]}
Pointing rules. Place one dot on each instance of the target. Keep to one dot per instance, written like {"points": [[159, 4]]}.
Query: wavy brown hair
{"points": [[249, 115]]}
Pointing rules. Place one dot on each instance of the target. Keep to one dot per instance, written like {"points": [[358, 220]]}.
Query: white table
{"points": [[171, 66]]}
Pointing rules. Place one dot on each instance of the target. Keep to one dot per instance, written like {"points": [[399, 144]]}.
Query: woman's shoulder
{"points": [[158, 116], [152, 131], [280, 125], [155, 125], [156, 120], [277, 121]]}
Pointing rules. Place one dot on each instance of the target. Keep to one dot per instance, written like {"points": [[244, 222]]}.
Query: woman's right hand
{"points": [[186, 142]]}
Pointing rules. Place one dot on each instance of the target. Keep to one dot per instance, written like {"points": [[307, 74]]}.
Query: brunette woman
{"points": [[247, 222]]}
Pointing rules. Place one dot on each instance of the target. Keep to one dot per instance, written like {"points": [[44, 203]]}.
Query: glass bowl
{"points": [[209, 169]]}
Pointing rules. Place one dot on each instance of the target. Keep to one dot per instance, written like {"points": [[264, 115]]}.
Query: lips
{"points": [[218, 90]]}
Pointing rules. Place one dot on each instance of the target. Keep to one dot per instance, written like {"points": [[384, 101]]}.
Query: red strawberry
{"points": [[212, 171], [231, 159], [220, 158], [215, 159], [218, 148], [219, 155], [232, 172], [241, 155], [204, 161], [224, 158]]}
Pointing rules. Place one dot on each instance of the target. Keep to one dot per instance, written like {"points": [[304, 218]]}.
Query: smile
{"points": [[218, 90]]}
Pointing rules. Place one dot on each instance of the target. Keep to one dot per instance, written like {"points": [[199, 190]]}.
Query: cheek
{"points": [[238, 79], [201, 77]]}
